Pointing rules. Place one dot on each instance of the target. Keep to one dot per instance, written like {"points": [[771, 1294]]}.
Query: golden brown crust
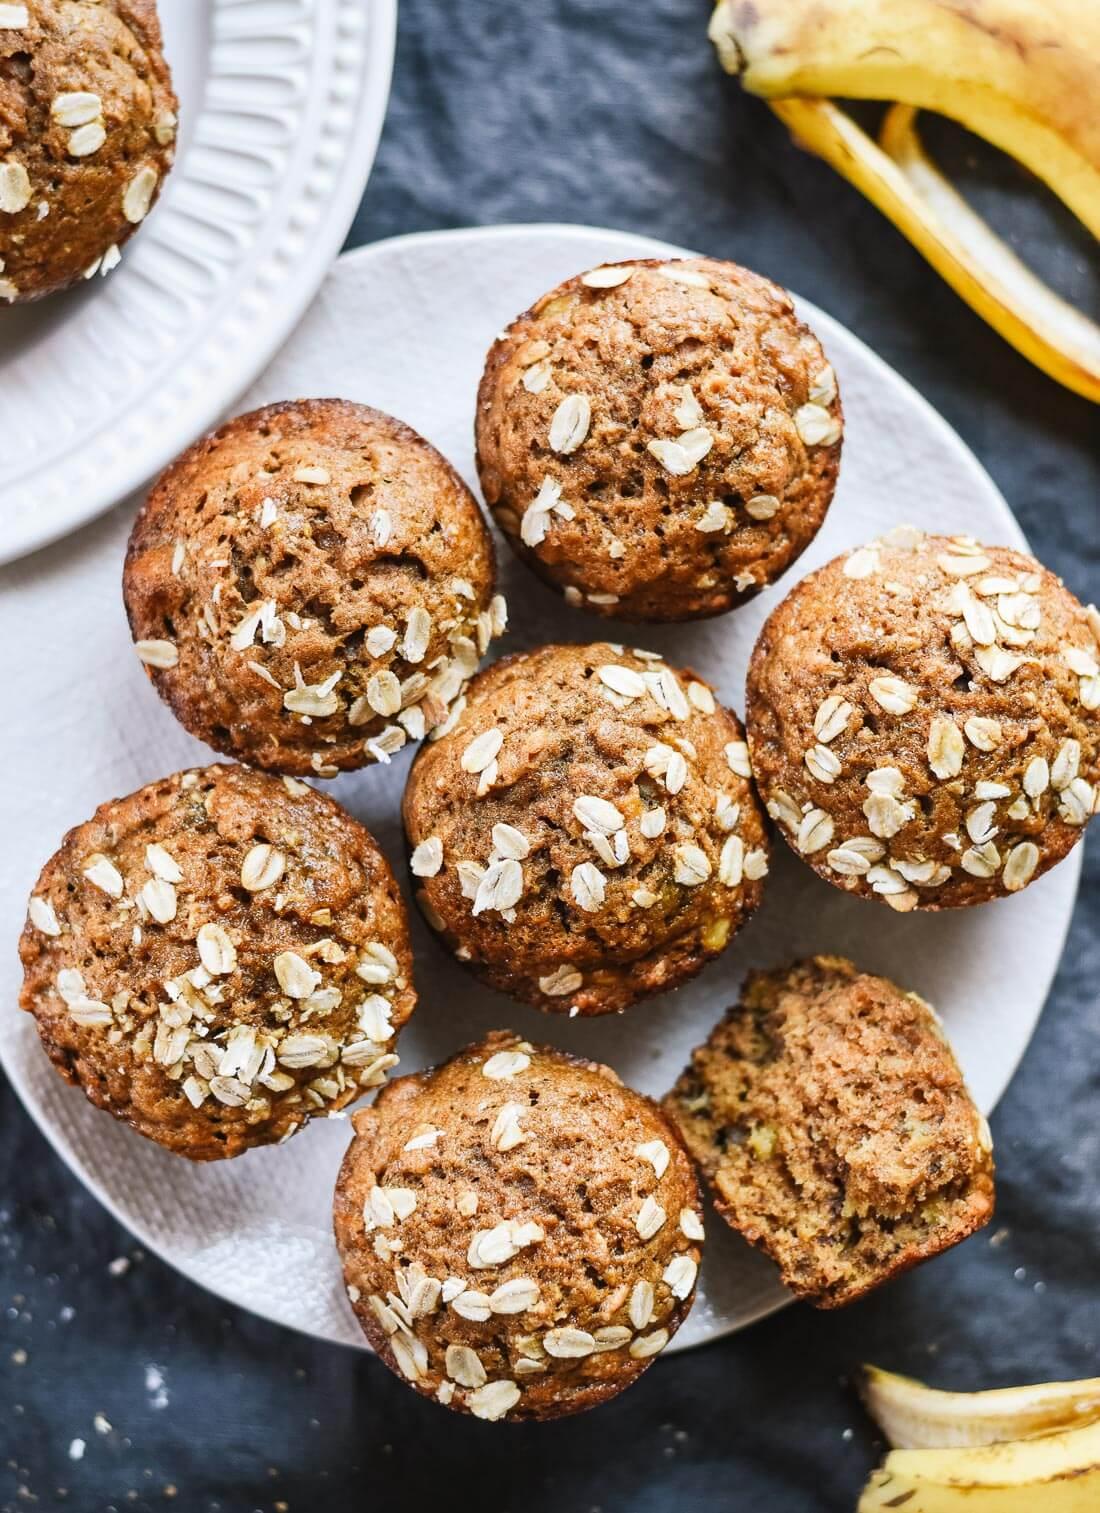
{"points": [[611, 846], [535, 1247], [87, 135], [637, 531], [922, 718], [248, 971], [317, 543], [831, 1117]]}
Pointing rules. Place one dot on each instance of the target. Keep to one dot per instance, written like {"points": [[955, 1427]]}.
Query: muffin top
{"points": [[832, 1118], [311, 586], [586, 834], [520, 1232], [922, 720], [659, 439], [218, 957], [87, 134]]}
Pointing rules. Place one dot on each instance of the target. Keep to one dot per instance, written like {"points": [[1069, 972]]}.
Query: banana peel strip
{"points": [[905, 185], [1055, 1473], [914, 1416]]}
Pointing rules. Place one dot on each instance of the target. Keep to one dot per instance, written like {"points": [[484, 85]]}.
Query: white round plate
{"points": [[404, 325], [281, 105]]}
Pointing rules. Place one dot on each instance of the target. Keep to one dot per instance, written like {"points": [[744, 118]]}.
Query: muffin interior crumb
{"points": [[831, 1117]]}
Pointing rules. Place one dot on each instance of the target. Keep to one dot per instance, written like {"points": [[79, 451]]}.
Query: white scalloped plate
{"points": [[282, 102], [405, 325]]}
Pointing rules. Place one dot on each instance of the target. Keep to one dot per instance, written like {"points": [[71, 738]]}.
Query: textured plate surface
{"points": [[281, 104], [405, 325]]}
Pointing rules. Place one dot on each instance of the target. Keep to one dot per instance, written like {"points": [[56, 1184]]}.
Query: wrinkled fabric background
{"points": [[611, 112]]}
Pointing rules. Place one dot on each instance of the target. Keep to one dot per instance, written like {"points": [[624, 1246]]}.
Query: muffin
{"points": [[829, 1114], [586, 833], [87, 135], [659, 440], [520, 1233], [310, 587], [218, 958], [922, 720]]}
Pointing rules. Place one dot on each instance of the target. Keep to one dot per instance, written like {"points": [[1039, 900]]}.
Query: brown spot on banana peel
{"points": [[970, 16]]}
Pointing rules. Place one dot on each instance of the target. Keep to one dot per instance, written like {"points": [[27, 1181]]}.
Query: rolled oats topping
{"points": [[15, 187], [561, 983], [103, 874], [156, 652], [137, 197], [922, 722], [651, 1216], [682, 454], [482, 750], [656, 1152], [823, 764], [85, 142], [607, 277], [263, 866], [217, 953], [816, 426], [504, 1065], [43, 915], [691, 1226], [570, 423], [427, 859], [159, 899], [500, 887]]}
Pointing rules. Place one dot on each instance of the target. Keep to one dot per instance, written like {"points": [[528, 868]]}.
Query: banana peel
{"points": [[905, 185], [913, 1416], [1023, 74], [1056, 1473]]}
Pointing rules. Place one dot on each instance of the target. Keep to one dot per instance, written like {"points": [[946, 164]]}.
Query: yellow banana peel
{"points": [[1014, 1450], [914, 1416], [1024, 74], [904, 184], [1057, 1473]]}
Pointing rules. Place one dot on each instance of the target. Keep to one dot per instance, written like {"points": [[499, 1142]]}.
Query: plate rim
{"points": [[30, 534], [648, 246]]}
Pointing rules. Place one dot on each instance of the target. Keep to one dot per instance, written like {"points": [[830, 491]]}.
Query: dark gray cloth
{"points": [[611, 112]]}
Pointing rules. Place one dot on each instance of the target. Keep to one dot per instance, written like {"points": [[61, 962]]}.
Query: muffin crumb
{"points": [[829, 1114]]}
